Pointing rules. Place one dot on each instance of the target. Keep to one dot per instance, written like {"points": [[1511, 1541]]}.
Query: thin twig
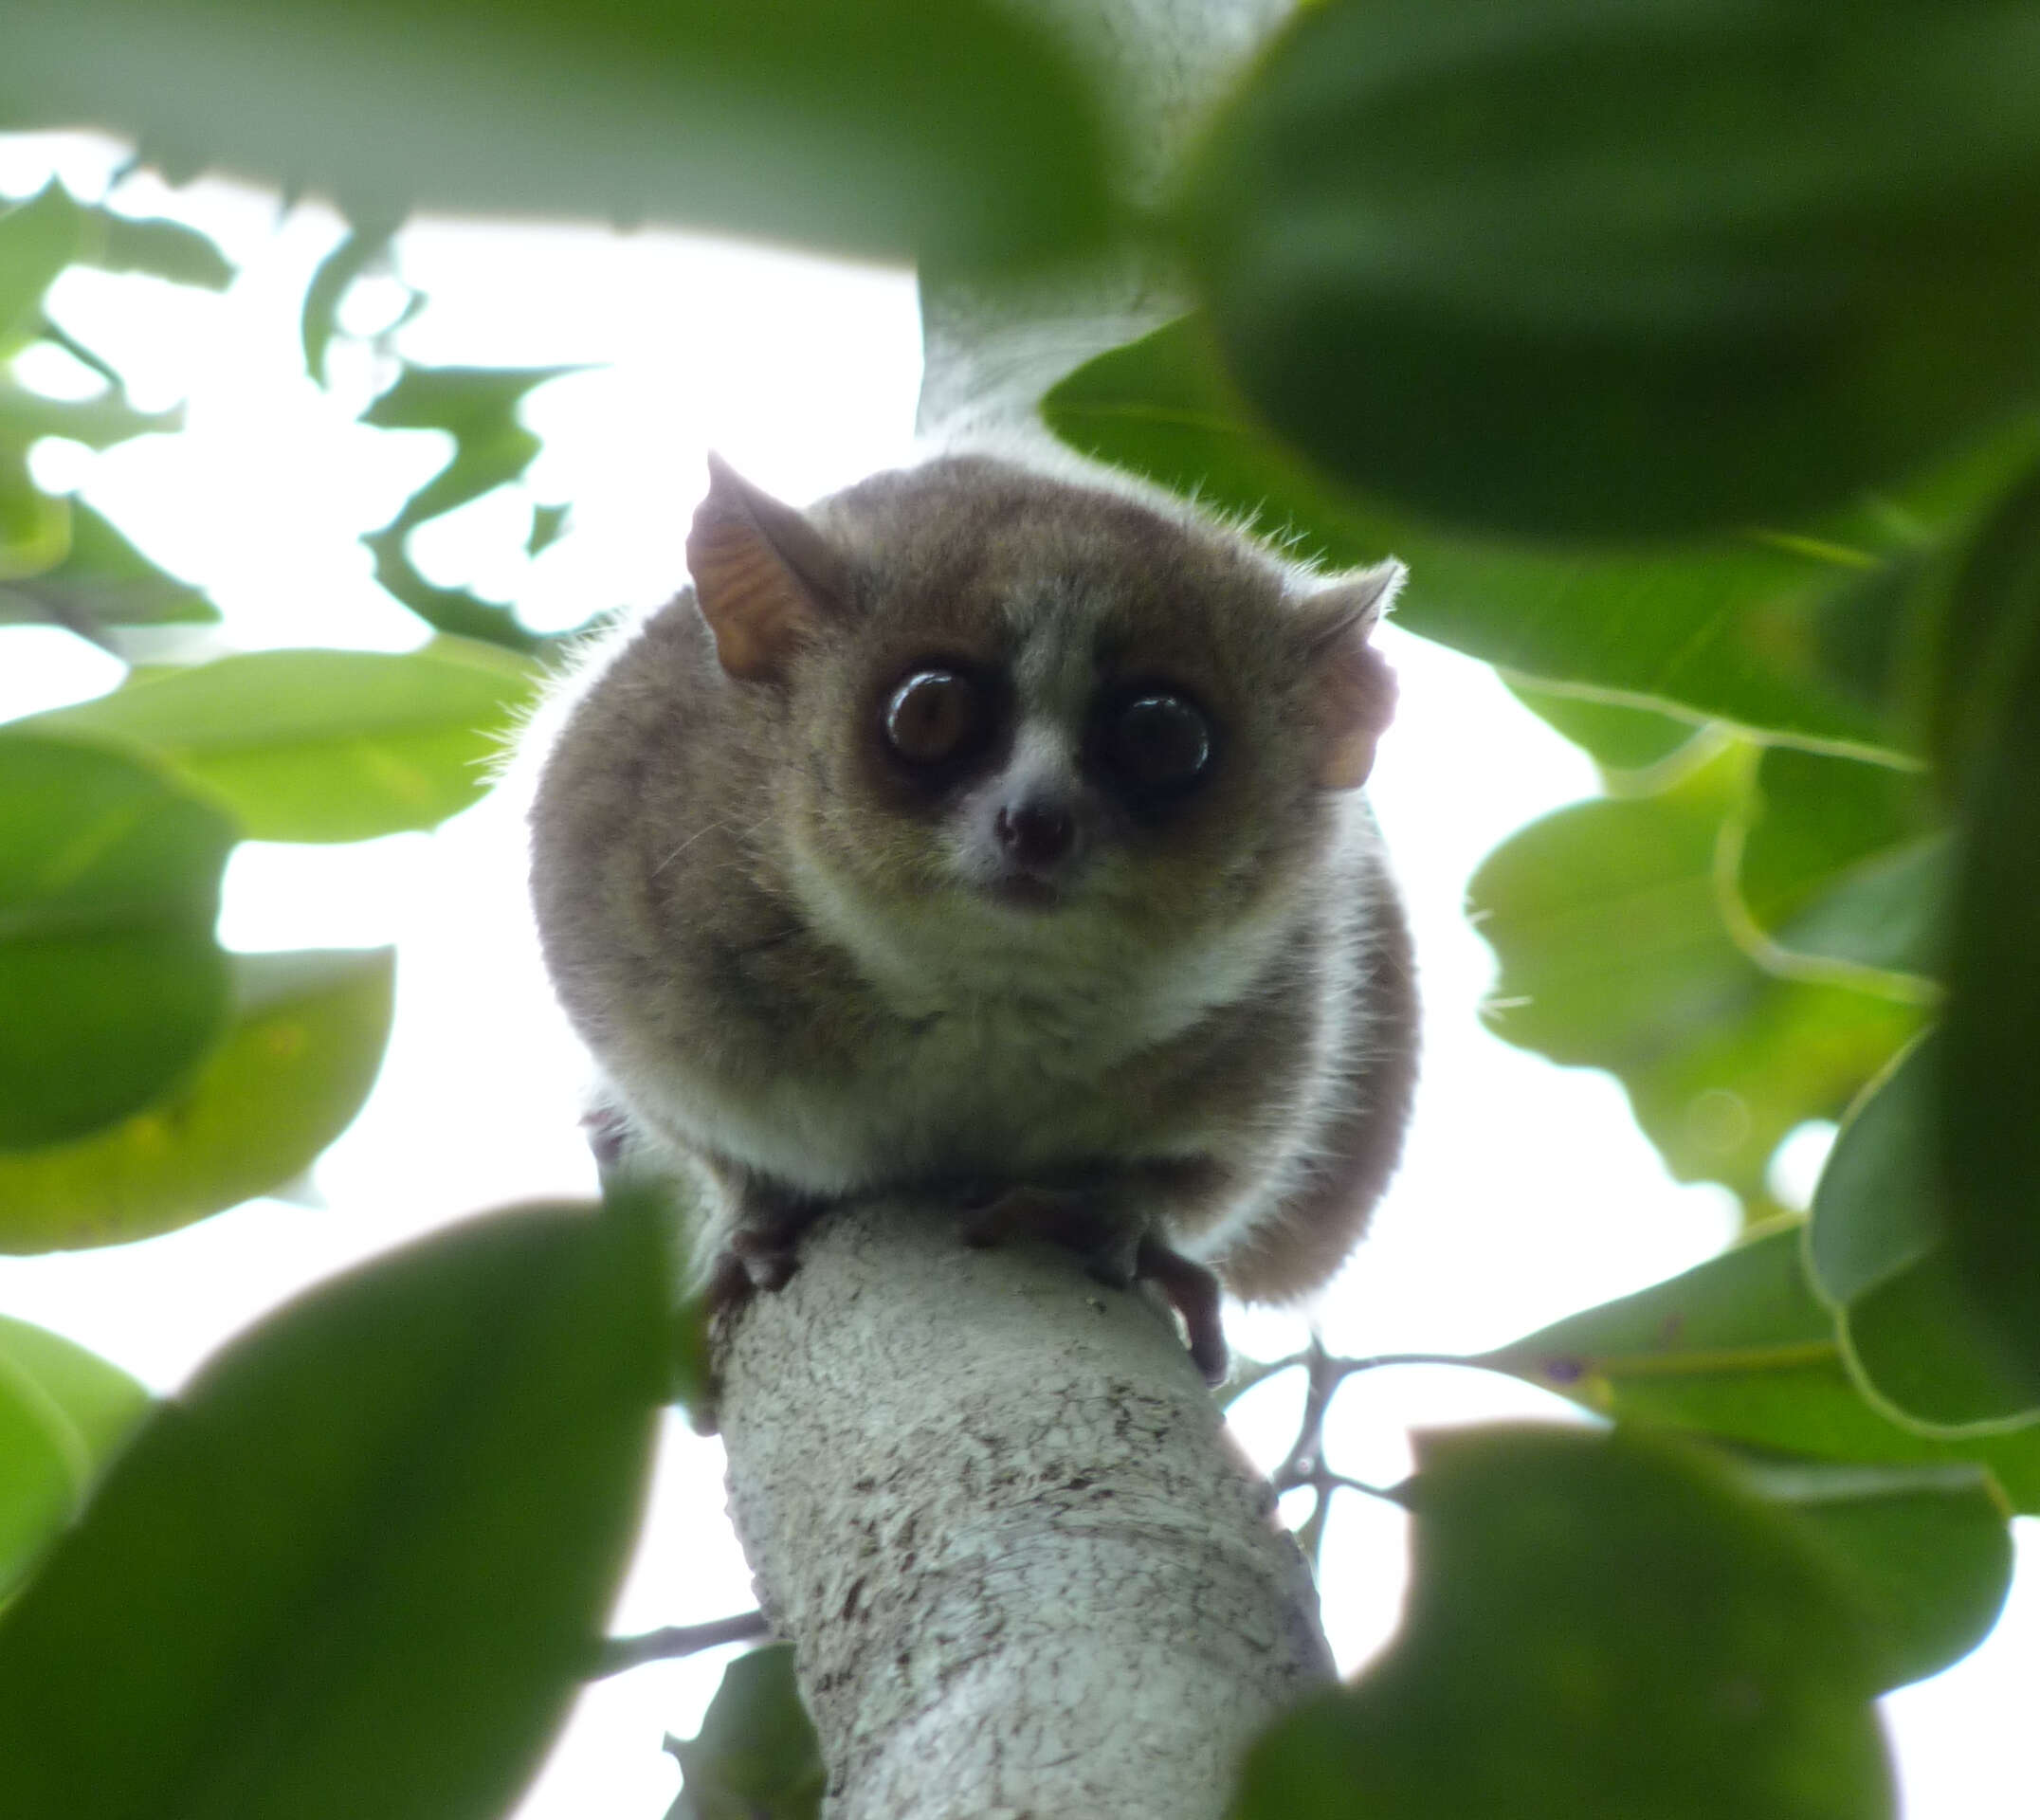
{"points": [[1347, 1367], [619, 1653]]}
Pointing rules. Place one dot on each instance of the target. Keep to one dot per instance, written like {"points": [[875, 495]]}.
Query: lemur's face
{"points": [[1042, 702]]}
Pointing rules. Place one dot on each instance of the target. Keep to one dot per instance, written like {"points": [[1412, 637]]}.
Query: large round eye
{"points": [[1157, 743], [935, 715]]}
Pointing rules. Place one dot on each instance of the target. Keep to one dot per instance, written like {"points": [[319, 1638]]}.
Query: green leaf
{"points": [[98, 1402], [64, 1412], [960, 132], [98, 423], [321, 745], [31, 523], [1986, 1138], [366, 243], [548, 523], [52, 230], [1762, 258], [156, 249], [102, 580], [1740, 1350], [755, 1756], [111, 984], [38, 1478], [1617, 738], [676, 1205], [478, 407], [1980, 631], [1605, 923], [58, 336], [1879, 1253], [1596, 1624], [1791, 634], [1840, 862], [288, 1078], [1924, 1552], [358, 1565], [38, 239]]}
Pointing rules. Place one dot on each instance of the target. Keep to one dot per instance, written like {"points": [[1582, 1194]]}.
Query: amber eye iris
{"points": [[935, 716], [1158, 743]]}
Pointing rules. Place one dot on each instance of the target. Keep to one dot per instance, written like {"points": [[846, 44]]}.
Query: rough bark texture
{"points": [[1024, 1568]]}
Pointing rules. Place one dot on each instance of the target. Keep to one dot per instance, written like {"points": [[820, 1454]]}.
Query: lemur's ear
{"points": [[764, 577], [1356, 687]]}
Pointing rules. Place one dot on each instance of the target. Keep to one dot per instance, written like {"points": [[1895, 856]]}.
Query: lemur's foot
{"points": [[1113, 1251], [1192, 1292], [1071, 1218], [605, 1130], [766, 1239], [762, 1251]]}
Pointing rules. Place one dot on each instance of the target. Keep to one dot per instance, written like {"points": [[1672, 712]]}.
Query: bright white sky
{"points": [[1528, 1191]]}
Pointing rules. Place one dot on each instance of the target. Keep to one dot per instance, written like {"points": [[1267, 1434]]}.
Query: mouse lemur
{"points": [[992, 833]]}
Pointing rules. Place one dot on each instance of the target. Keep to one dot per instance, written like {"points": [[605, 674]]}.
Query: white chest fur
{"points": [[1001, 1050]]}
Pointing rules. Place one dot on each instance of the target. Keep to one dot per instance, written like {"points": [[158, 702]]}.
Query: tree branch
{"points": [[1024, 1567]]}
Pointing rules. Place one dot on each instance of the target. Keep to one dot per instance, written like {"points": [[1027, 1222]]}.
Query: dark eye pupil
{"points": [[932, 717], [1159, 741]]}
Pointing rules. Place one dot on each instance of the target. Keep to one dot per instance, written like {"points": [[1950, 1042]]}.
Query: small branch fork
{"points": [[1306, 1464]]}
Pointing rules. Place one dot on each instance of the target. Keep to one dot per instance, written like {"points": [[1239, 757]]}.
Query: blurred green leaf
{"points": [[1616, 737], [38, 239], [1878, 1249], [38, 1478], [478, 407], [1739, 1349], [366, 243], [1988, 1138], [755, 1756], [98, 423], [52, 230], [97, 1401], [154, 248], [676, 1205], [102, 580], [1843, 861], [1795, 634], [1605, 921], [31, 523], [1759, 259], [357, 1566], [288, 1078], [58, 336], [1596, 1624], [1923, 1552], [1981, 630], [64, 1412], [548, 525], [321, 745], [111, 986], [891, 127]]}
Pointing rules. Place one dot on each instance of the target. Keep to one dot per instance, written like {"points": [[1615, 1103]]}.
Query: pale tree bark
{"points": [[1024, 1569]]}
